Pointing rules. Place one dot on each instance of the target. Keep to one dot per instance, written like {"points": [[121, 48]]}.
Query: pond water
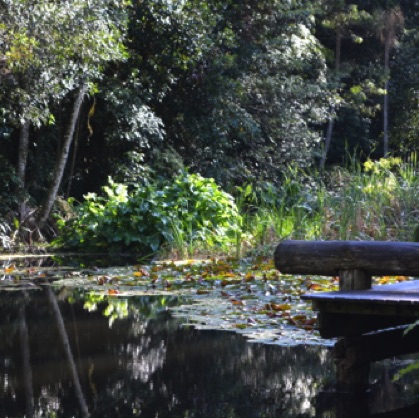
{"points": [[69, 352]]}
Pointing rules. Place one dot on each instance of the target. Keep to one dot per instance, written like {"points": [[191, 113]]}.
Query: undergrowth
{"points": [[191, 215]]}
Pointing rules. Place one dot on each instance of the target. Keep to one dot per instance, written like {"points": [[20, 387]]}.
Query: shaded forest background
{"points": [[237, 91]]}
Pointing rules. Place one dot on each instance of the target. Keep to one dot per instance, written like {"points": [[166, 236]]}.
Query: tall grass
{"points": [[371, 201]]}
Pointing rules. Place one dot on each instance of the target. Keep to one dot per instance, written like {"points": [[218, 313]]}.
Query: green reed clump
{"points": [[376, 200]]}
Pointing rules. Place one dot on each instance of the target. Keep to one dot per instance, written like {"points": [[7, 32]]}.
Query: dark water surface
{"points": [[71, 353]]}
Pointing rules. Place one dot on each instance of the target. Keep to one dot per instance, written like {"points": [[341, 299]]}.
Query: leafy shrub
{"points": [[189, 210]]}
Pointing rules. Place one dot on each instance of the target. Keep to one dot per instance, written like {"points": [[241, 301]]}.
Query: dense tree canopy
{"points": [[235, 90]]}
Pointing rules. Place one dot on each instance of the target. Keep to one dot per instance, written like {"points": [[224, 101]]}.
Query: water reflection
{"points": [[143, 363]]}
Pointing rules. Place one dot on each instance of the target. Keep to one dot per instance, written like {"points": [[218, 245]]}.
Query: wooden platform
{"points": [[346, 313]]}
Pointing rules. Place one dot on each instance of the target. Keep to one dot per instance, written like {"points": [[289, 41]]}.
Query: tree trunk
{"points": [[385, 122], [23, 153], [62, 160], [385, 106], [327, 142], [72, 164], [329, 132]]}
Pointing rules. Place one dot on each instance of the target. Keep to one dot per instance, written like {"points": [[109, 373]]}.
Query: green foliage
{"points": [[374, 201], [190, 210], [47, 55]]}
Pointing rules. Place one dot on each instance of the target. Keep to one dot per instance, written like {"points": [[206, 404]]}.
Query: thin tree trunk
{"points": [[385, 122], [62, 160], [387, 48], [22, 158], [327, 142], [73, 163], [67, 349], [329, 132]]}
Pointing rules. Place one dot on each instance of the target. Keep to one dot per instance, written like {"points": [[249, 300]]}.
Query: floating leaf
{"points": [[278, 307], [226, 282], [10, 268], [249, 277], [237, 302]]}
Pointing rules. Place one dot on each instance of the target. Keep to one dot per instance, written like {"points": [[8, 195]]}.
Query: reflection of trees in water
{"points": [[147, 365], [218, 373]]}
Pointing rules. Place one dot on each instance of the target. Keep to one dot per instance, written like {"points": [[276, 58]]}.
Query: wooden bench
{"points": [[359, 308]]}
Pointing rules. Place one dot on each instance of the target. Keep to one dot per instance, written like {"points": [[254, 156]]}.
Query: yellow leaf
{"points": [[280, 307], [249, 277], [9, 269]]}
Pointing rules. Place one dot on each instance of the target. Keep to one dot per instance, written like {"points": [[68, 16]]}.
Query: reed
{"points": [[376, 200]]}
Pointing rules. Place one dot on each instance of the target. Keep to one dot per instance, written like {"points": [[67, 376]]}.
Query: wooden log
{"points": [[327, 258]]}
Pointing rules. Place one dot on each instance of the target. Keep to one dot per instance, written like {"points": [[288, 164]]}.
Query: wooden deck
{"points": [[344, 313]]}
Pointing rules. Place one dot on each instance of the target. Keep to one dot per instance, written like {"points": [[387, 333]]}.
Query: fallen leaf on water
{"points": [[249, 277], [10, 268], [226, 282], [237, 302], [278, 307]]}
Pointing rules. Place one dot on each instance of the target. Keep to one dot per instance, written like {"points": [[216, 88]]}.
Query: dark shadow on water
{"points": [[129, 358]]}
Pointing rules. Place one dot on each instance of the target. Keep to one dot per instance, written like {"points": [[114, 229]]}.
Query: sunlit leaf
{"points": [[10, 268]]}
